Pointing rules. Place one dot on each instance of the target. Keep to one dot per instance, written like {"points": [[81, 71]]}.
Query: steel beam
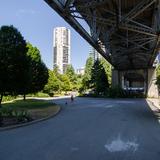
{"points": [[134, 43], [92, 3], [131, 20], [76, 25], [144, 39], [68, 3], [139, 8], [143, 29]]}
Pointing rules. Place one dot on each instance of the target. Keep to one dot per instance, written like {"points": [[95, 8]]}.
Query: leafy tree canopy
{"points": [[99, 78], [53, 85], [71, 73], [66, 84], [38, 70], [108, 69], [33, 53], [87, 75], [14, 64]]}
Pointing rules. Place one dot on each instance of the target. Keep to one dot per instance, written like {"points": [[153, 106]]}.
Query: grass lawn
{"points": [[36, 108]]}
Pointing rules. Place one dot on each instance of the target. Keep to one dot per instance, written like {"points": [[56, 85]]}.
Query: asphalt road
{"points": [[88, 129]]}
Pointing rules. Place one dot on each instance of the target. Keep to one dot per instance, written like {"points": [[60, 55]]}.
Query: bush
{"points": [[118, 92], [115, 92], [39, 94], [6, 112], [8, 98], [21, 115], [51, 94], [14, 114]]}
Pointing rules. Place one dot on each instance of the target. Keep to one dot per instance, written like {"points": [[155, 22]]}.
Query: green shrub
{"points": [[118, 92], [21, 115], [115, 92], [51, 94], [8, 98], [8, 112], [39, 94]]}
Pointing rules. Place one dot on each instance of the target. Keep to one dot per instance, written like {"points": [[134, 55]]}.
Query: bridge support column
{"points": [[143, 80], [152, 90], [115, 78]]}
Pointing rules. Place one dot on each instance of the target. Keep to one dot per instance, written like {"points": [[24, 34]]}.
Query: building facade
{"points": [[80, 71], [94, 54], [61, 48]]}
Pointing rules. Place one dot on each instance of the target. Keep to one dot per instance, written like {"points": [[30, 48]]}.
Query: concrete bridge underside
{"points": [[125, 32]]}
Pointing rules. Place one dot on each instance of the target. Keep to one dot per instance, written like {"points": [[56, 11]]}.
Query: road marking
{"points": [[118, 145]]}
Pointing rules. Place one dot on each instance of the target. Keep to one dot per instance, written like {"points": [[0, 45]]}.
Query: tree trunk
{"points": [[24, 97]]}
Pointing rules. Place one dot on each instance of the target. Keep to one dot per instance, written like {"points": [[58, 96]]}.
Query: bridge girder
{"points": [[125, 33]]}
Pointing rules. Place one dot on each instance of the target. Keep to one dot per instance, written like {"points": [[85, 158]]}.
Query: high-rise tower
{"points": [[94, 54], [61, 44]]}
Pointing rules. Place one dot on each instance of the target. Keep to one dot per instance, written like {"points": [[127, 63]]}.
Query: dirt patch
{"points": [[43, 113]]}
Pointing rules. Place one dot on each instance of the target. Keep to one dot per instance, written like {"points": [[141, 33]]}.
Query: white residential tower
{"points": [[61, 45]]}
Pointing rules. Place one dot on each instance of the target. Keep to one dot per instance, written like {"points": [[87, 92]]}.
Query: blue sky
{"points": [[36, 20]]}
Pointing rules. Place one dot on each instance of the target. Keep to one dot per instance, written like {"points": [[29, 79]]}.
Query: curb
{"points": [[30, 123]]}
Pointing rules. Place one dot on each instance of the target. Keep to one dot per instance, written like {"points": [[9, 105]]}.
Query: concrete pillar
{"points": [[122, 81], [115, 78], [152, 87], [145, 82]]}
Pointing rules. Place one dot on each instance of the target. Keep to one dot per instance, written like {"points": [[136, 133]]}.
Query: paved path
{"points": [[88, 129]]}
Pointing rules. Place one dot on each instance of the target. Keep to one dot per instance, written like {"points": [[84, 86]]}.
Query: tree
{"points": [[107, 68], [66, 84], [38, 71], [33, 53], [70, 73], [79, 82], [14, 64], [53, 85], [87, 75], [56, 72], [99, 79]]}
